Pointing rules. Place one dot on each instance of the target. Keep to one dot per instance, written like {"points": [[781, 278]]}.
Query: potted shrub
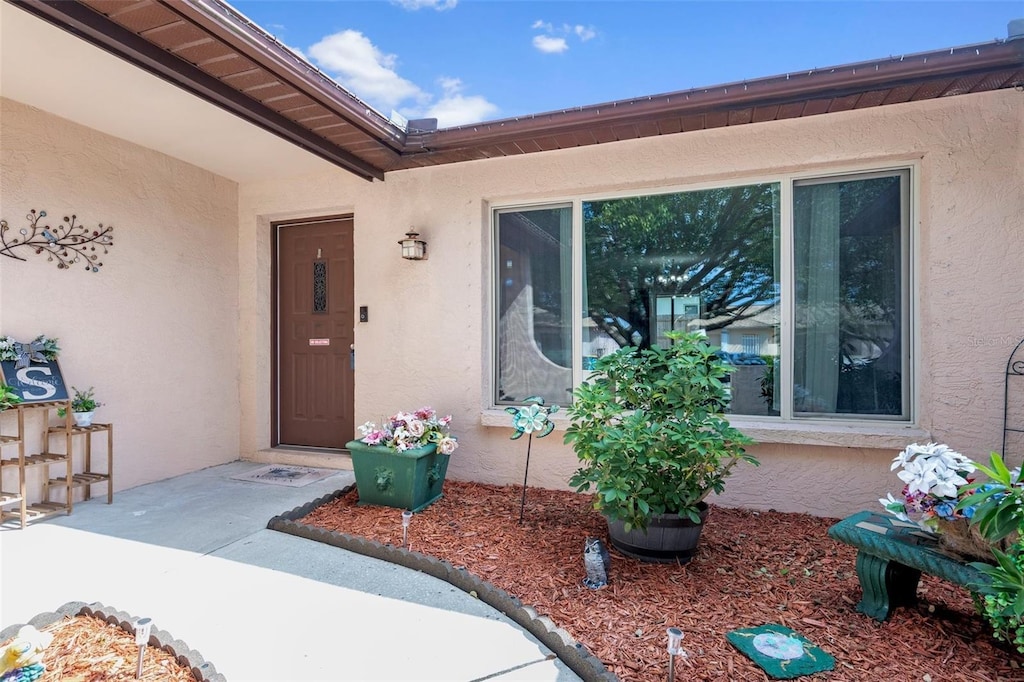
{"points": [[402, 463], [83, 405], [649, 430]]}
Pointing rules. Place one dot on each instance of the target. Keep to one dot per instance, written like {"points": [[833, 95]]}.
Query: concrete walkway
{"points": [[193, 553]]}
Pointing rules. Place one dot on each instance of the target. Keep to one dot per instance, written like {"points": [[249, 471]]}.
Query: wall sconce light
{"points": [[413, 248]]}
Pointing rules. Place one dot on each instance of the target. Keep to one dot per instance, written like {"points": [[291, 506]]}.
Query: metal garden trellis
{"points": [[1014, 368]]}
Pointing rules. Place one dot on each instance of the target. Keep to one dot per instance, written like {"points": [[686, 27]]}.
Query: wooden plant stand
{"points": [[32, 511], [891, 555], [87, 477]]}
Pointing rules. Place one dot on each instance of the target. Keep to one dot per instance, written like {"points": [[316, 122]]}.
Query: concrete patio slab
{"points": [[193, 554]]}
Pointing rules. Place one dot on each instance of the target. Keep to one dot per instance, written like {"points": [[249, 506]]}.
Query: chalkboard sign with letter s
{"points": [[35, 383]]}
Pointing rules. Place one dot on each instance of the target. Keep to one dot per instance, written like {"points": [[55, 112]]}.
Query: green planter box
{"points": [[405, 480]]}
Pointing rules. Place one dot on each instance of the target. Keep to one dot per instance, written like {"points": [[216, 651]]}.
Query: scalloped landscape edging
{"points": [[569, 651], [201, 669]]}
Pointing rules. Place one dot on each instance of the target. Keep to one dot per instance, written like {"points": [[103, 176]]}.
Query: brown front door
{"points": [[315, 333]]}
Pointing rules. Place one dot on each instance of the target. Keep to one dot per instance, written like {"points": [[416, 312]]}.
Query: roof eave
{"points": [[829, 82], [106, 35]]}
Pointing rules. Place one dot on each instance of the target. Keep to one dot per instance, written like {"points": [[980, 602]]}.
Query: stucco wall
{"points": [[155, 331], [428, 338]]}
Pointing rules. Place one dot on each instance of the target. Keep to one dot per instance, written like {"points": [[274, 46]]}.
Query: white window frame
{"points": [[875, 431]]}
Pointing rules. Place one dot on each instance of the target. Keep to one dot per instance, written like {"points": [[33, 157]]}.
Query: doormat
{"points": [[780, 652], [283, 474]]}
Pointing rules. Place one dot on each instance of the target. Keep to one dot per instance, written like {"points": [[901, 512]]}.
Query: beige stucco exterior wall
{"points": [[429, 337], [155, 331]]}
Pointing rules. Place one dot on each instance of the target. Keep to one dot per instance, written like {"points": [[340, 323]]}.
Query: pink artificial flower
{"points": [[447, 445], [374, 437]]}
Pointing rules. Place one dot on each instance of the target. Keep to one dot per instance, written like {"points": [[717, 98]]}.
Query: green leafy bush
{"points": [[1002, 600], [650, 433], [999, 515]]}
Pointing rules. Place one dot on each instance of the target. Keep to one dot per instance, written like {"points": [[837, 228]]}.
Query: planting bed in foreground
{"points": [[751, 568]]}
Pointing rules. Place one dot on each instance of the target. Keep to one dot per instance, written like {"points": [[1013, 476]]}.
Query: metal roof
{"points": [[213, 51]]}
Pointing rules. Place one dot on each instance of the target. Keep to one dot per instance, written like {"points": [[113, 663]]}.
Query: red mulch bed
{"points": [[751, 568], [87, 649]]}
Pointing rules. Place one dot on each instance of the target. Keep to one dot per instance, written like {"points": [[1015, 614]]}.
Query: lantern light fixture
{"points": [[413, 248]]}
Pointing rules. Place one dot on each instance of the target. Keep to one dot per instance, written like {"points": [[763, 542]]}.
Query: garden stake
{"points": [[526, 472], [406, 518], [142, 638], [528, 419], [675, 642]]}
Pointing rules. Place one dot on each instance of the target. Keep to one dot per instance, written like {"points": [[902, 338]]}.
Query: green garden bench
{"points": [[891, 555]]}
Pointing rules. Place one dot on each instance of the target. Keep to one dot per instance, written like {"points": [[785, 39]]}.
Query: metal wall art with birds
{"points": [[70, 243]]}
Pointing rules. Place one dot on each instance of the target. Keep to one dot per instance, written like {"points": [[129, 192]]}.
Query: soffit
{"points": [[49, 69], [216, 53]]}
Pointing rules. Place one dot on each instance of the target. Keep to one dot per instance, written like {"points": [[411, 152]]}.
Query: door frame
{"points": [[275, 305]]}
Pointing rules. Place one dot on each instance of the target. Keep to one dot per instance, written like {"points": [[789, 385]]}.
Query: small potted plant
{"points": [[650, 433], [83, 405], [403, 462]]}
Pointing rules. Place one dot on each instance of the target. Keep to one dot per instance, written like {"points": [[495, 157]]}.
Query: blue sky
{"points": [[464, 61]]}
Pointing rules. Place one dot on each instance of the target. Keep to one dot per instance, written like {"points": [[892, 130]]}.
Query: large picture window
{"points": [[819, 329]]}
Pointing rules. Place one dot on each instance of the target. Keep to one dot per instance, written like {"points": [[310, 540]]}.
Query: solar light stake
{"points": [[142, 627], [406, 518], [522, 503], [675, 648]]}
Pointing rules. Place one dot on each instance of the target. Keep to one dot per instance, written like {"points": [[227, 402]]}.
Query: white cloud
{"points": [[551, 41], [363, 69], [584, 33], [371, 75], [413, 5], [550, 45], [455, 109]]}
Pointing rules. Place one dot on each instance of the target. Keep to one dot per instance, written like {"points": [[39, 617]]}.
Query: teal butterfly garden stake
{"points": [[529, 419]]}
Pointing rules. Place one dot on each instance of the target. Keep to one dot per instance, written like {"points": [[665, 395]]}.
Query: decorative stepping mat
{"points": [[780, 652]]}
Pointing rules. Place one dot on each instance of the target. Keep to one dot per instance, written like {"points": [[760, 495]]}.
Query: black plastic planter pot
{"points": [[669, 538]]}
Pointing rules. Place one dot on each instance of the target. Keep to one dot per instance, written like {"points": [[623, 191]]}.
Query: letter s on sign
{"points": [[49, 390]]}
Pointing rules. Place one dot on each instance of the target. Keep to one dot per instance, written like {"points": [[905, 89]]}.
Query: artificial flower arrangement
{"points": [[41, 347], [982, 522], [933, 475], [940, 496], [408, 430]]}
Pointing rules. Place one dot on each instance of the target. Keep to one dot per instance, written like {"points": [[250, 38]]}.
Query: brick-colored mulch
{"points": [[751, 568], [87, 649]]}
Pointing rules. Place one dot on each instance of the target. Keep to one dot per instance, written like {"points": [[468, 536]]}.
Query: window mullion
{"points": [[577, 292], [787, 303]]}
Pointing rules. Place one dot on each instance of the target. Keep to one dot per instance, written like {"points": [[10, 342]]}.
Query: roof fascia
{"points": [[249, 39], [836, 81], [97, 30]]}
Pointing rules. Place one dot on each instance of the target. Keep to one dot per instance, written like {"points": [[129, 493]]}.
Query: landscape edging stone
{"points": [[576, 656], [201, 669]]}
